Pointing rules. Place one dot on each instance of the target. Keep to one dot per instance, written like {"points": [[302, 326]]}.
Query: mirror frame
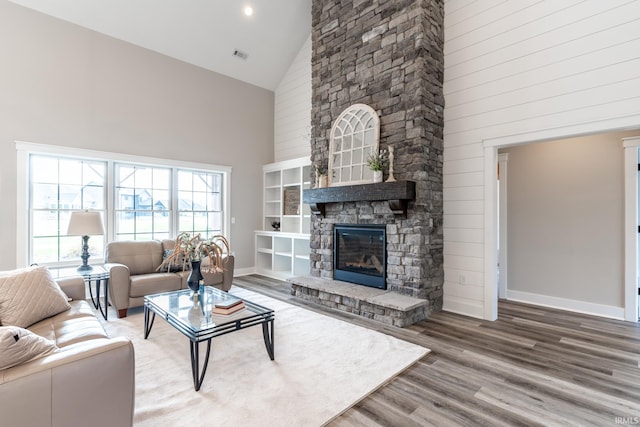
{"points": [[357, 120]]}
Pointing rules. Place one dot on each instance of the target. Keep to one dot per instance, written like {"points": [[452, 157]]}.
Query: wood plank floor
{"points": [[533, 366]]}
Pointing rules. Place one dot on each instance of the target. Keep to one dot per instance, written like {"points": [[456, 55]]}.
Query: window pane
{"points": [[70, 170], [184, 180], [125, 175], [215, 222], [125, 223], [144, 223], [44, 169], [161, 223], [70, 247], [161, 200], [93, 173], [214, 202], [44, 196], [45, 249], [186, 222], [200, 182], [185, 201], [93, 198], [71, 197], [45, 224], [199, 202]]}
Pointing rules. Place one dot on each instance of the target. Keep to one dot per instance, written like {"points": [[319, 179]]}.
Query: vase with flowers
{"points": [[193, 250], [377, 163]]}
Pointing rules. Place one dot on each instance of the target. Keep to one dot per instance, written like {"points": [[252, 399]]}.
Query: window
{"points": [[200, 202], [142, 202], [59, 186], [139, 198]]}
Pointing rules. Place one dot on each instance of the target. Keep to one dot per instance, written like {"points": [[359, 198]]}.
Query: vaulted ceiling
{"points": [[205, 33]]}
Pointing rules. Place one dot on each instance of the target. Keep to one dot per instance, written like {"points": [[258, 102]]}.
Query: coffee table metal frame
{"points": [[211, 326]]}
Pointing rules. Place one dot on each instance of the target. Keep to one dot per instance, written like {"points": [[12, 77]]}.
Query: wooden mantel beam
{"points": [[398, 194]]}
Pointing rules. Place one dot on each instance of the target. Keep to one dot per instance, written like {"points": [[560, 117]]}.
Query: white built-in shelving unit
{"points": [[284, 253]]}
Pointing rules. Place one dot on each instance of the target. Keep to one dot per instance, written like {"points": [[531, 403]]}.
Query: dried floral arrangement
{"points": [[188, 249]]}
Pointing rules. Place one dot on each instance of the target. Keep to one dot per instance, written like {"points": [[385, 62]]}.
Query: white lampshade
{"points": [[85, 223]]}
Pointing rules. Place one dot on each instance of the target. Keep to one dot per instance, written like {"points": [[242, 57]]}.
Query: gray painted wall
{"points": [[61, 84], [565, 210]]}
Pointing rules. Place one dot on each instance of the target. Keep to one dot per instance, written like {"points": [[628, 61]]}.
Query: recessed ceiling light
{"points": [[248, 10]]}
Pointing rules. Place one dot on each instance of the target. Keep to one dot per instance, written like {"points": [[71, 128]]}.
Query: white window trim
{"points": [[24, 149]]}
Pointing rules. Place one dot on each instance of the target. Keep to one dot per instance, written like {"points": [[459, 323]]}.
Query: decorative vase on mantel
{"points": [[377, 176], [193, 281]]}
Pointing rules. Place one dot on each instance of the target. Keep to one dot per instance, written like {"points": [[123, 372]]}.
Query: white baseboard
{"points": [[567, 304], [462, 306], [243, 271]]}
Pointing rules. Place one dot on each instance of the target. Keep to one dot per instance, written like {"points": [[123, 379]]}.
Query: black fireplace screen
{"points": [[360, 254]]}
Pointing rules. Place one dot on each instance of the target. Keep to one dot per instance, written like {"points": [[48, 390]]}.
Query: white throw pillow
{"points": [[29, 295], [18, 345]]}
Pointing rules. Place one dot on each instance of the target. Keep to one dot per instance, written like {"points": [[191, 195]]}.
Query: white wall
{"points": [[521, 71], [64, 85], [565, 208], [293, 108]]}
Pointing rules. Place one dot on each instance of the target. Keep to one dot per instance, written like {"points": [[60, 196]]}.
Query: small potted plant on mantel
{"points": [[321, 175], [377, 163]]}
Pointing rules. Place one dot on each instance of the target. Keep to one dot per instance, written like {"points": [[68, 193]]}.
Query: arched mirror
{"points": [[354, 135]]}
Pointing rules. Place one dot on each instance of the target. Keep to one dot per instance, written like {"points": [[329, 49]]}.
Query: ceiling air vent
{"points": [[240, 54]]}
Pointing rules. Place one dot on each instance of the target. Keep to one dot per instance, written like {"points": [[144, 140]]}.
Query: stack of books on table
{"points": [[228, 306]]}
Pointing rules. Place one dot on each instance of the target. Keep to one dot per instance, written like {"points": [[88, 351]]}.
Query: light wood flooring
{"points": [[533, 366]]}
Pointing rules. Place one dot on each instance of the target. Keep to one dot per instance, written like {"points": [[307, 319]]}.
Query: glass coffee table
{"points": [[195, 320]]}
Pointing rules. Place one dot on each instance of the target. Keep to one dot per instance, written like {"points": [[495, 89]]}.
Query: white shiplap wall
{"points": [[515, 72], [293, 108]]}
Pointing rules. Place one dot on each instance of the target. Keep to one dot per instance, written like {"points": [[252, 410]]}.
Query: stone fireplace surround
{"points": [[389, 56]]}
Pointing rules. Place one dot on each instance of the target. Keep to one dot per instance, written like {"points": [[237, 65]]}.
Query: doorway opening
{"points": [[588, 275]]}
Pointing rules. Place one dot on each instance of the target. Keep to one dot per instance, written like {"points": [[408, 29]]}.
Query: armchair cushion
{"points": [[18, 345], [29, 295]]}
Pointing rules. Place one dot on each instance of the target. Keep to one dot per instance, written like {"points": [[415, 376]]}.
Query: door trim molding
{"points": [[631, 222]]}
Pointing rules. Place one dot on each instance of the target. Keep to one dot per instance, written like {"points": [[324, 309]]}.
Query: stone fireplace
{"points": [[387, 55]]}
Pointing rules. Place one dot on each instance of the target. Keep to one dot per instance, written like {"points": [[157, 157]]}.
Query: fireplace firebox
{"points": [[360, 254]]}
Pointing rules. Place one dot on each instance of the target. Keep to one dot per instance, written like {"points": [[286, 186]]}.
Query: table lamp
{"points": [[85, 224]]}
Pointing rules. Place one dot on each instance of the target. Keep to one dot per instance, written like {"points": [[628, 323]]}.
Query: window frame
{"points": [[23, 221]]}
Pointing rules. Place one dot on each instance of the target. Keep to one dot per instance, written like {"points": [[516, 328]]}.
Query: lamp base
{"points": [[85, 255]]}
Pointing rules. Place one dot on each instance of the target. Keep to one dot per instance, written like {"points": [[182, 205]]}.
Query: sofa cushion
{"points": [[18, 345], [147, 284], [141, 257], [29, 295], [71, 326]]}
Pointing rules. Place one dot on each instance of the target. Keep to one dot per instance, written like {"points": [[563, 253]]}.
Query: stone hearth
{"points": [[377, 304], [389, 56]]}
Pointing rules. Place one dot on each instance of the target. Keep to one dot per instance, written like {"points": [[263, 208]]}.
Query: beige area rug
{"points": [[322, 367]]}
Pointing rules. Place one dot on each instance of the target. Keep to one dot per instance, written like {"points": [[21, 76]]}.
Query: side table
{"points": [[93, 277]]}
